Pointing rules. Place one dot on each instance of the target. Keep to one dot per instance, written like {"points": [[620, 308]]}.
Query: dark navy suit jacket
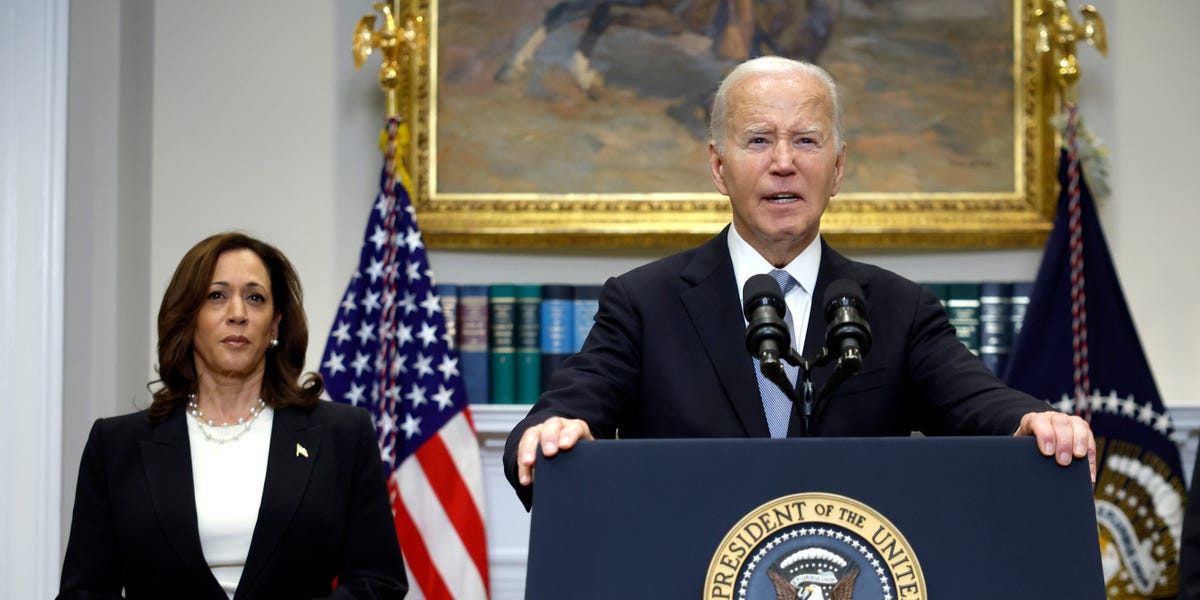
{"points": [[322, 516], [667, 358]]}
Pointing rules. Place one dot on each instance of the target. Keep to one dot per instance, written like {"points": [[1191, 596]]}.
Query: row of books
{"points": [[987, 316], [511, 338]]}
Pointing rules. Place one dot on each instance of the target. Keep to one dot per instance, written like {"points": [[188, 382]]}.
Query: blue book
{"points": [[995, 324], [558, 328], [587, 302], [1019, 305], [473, 341]]}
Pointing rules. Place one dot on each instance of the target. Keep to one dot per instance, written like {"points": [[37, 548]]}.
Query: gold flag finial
{"points": [[394, 38], [1058, 33]]}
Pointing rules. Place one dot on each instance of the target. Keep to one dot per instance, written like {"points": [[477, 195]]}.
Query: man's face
{"points": [[781, 163]]}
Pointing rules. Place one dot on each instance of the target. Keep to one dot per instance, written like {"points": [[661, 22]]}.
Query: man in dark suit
{"points": [[666, 356]]}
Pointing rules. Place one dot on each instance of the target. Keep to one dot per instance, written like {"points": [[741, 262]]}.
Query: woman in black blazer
{"points": [[237, 482]]}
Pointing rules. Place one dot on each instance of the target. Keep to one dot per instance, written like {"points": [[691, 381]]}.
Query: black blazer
{"points": [[322, 516], [667, 358]]}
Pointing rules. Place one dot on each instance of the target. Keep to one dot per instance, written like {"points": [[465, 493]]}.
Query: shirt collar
{"points": [[747, 262]]}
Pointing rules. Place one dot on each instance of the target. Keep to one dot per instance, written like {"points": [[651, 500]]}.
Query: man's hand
{"points": [[1062, 436], [553, 434]]}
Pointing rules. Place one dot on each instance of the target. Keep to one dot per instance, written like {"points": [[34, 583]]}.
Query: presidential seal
{"points": [[1139, 511], [814, 546]]}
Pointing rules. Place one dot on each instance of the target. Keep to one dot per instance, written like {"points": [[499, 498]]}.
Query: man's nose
{"points": [[783, 157]]}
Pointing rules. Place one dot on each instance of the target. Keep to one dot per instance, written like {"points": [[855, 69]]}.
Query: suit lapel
{"points": [[708, 304], [295, 447], [167, 461]]}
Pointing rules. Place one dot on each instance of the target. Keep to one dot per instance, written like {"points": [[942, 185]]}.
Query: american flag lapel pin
{"points": [[301, 450]]}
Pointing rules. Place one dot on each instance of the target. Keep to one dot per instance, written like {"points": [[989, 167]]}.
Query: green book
{"points": [[502, 342], [962, 303], [529, 351]]}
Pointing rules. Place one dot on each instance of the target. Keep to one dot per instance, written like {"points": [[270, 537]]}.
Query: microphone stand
{"points": [[802, 391]]}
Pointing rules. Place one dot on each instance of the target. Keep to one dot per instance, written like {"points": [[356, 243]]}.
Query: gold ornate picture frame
{"points": [[947, 111]]}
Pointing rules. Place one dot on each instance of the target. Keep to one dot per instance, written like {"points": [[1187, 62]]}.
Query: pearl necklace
{"points": [[205, 424]]}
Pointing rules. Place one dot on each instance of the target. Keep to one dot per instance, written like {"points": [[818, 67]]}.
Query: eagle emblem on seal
{"points": [[813, 574]]}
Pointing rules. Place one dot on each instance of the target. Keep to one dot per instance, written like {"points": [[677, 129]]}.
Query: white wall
{"points": [[1141, 101], [227, 114]]}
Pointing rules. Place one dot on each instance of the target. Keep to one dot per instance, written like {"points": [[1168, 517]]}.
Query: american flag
{"points": [[390, 352]]}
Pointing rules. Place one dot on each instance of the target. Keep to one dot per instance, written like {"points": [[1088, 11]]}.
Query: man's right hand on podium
{"points": [[553, 434]]}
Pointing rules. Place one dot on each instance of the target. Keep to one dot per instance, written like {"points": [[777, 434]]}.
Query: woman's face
{"points": [[237, 321]]}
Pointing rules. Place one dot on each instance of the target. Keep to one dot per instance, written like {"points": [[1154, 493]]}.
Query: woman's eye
{"points": [[216, 295], [257, 298]]}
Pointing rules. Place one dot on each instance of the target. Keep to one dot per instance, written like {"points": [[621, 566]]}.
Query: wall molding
{"points": [[33, 92]]}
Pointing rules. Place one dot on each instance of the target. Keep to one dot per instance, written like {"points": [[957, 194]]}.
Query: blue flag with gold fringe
{"points": [[1078, 349]]}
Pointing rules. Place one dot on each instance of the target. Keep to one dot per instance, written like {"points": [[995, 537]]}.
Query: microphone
{"points": [[767, 336], [848, 336]]}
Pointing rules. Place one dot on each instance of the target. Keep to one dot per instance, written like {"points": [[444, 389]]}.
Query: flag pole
{"points": [[1058, 36], [391, 351], [401, 35]]}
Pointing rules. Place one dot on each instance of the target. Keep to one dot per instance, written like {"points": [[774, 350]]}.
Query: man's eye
{"points": [[757, 141]]}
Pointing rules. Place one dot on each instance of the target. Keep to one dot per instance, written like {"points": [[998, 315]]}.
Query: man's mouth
{"points": [[782, 198]]}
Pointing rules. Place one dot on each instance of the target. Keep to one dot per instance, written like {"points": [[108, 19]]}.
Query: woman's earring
{"points": [[274, 342]]}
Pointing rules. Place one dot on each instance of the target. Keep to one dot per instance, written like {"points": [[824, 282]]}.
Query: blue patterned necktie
{"points": [[776, 404]]}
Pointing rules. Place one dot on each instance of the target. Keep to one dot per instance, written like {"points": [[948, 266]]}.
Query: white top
{"points": [[747, 263], [228, 479]]}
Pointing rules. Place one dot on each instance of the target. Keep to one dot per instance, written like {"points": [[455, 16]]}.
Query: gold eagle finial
{"points": [[394, 38], [1059, 32]]}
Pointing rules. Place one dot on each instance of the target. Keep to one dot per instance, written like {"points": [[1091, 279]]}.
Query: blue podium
{"points": [[847, 518]]}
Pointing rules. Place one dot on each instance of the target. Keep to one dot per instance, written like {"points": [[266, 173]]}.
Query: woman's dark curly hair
{"points": [[177, 322]]}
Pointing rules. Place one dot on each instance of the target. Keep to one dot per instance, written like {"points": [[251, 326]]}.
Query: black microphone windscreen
{"points": [[841, 292], [762, 289]]}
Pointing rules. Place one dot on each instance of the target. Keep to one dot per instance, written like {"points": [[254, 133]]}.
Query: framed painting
{"points": [[583, 122]]}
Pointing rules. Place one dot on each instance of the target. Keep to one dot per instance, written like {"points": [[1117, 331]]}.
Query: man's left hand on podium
{"points": [[1063, 436]]}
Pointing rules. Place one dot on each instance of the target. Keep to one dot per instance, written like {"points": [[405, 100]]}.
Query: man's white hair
{"points": [[770, 65]]}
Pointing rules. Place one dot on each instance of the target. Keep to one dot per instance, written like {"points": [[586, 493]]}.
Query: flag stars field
{"points": [[334, 364]]}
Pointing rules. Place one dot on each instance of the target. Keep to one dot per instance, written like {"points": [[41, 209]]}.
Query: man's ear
{"points": [[717, 164], [839, 169]]}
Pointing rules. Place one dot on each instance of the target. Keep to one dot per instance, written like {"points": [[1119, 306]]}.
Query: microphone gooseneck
{"points": [[767, 335], [848, 336]]}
